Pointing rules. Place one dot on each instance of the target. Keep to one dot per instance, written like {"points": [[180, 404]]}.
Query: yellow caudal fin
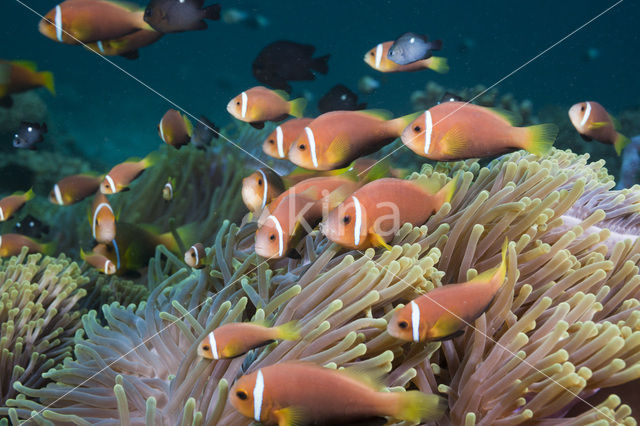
{"points": [[540, 138], [29, 194], [188, 125], [495, 275], [620, 143], [48, 248], [438, 64], [297, 106], [418, 407], [289, 331], [47, 81], [445, 194]]}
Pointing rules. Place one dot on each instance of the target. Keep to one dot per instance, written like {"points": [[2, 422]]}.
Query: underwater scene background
{"points": [[559, 342]]}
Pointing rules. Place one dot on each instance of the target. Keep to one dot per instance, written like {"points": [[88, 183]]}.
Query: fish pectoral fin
{"points": [[445, 328], [257, 125], [289, 416], [338, 150], [455, 143], [597, 125], [378, 241]]}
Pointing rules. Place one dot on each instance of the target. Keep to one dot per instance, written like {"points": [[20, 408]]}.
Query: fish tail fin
{"points": [[297, 106], [496, 275], [151, 159], [212, 12], [321, 64], [188, 124], [49, 248], [620, 143], [540, 138], [400, 123], [417, 407], [438, 64], [29, 194], [289, 331], [445, 194], [47, 81]]}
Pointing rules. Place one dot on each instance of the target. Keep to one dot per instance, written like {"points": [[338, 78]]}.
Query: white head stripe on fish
{"points": [[58, 22], [265, 188], [95, 216], [106, 265], [0, 240], [279, 141], [280, 234], [115, 246], [162, 131], [1, 214], [112, 183], [378, 55], [243, 95], [358, 221], [428, 128], [214, 346], [100, 46], [586, 115], [258, 392], [312, 146], [415, 321], [195, 250], [58, 194], [168, 185]]}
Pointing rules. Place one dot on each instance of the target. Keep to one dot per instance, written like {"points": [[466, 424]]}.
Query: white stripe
{"points": [[95, 216], [264, 188], [428, 127], [115, 246], [100, 46], [1, 214], [168, 185], [58, 194], [245, 101], [258, 391], [106, 265], [415, 321], [587, 113], [378, 55], [195, 250], [162, 131], [59, 23], [358, 221], [214, 346], [280, 234], [112, 183], [279, 141], [0, 241], [312, 146]]}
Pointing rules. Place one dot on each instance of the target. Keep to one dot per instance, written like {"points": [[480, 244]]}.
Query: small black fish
{"points": [[31, 227], [29, 134], [412, 47], [450, 97], [174, 16], [339, 98], [204, 133], [283, 61]]}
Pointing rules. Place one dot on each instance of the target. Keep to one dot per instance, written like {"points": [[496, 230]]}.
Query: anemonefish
{"points": [[20, 76], [120, 176], [74, 188], [293, 393], [11, 204], [99, 262], [175, 129], [195, 256], [279, 141], [11, 245], [335, 139], [126, 46], [377, 59], [593, 122], [260, 187], [103, 220], [238, 338], [457, 130], [90, 21], [167, 189], [445, 311], [372, 215], [259, 104]]}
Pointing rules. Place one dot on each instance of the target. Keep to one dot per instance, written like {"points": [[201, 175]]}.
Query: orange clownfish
{"points": [[103, 221], [195, 256], [126, 46], [336, 138], [11, 245], [592, 121], [458, 130], [293, 393], [238, 338], [20, 76], [279, 141], [175, 129], [121, 175], [74, 188], [89, 21], [445, 311], [377, 59], [260, 187], [99, 262], [259, 104], [11, 204], [372, 215]]}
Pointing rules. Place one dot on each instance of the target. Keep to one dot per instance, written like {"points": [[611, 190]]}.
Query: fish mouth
{"points": [[264, 251]]}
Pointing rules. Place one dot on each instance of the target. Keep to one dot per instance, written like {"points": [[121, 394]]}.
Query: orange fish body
{"points": [[235, 339], [297, 393], [121, 175], [20, 76], [11, 204], [91, 21], [445, 311], [195, 256], [377, 59], [260, 104], [279, 141], [126, 46], [260, 188], [175, 129], [321, 186], [73, 189], [103, 221], [336, 138], [592, 121], [11, 245], [458, 130], [372, 215], [99, 262]]}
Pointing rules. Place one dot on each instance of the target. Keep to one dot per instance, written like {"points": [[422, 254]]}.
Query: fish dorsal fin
{"points": [[378, 171], [382, 114], [374, 378], [337, 196], [431, 184], [284, 95], [30, 65], [131, 7], [512, 117], [616, 123]]}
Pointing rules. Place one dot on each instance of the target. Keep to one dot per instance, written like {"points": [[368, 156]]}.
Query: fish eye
{"points": [[242, 395], [237, 102], [271, 141], [302, 147], [260, 182], [582, 108], [346, 220], [193, 254], [372, 54], [417, 129], [403, 324], [272, 237], [205, 348]]}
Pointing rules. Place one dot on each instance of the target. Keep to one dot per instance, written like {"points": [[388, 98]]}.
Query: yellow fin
{"points": [[28, 195], [499, 272], [188, 125], [377, 171], [512, 117], [297, 106], [374, 378], [430, 185], [540, 138], [621, 142], [47, 81], [418, 407], [445, 194], [289, 331], [597, 125], [382, 114], [445, 326], [289, 416], [284, 95], [455, 142], [400, 123], [377, 241], [438, 64], [339, 149], [30, 65]]}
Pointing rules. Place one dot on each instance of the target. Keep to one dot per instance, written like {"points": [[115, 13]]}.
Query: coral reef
{"points": [[564, 326]]}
